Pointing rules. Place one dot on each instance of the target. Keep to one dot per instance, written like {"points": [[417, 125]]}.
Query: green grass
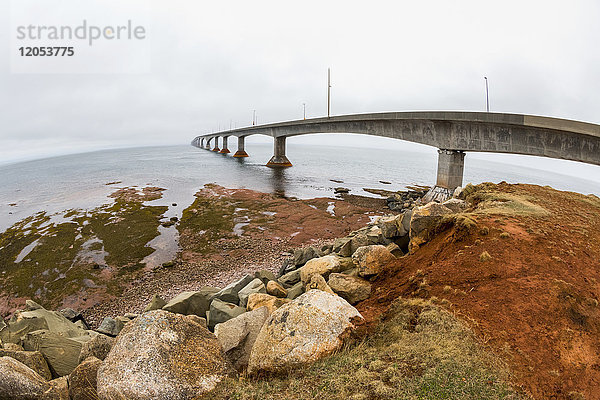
{"points": [[211, 218], [418, 351], [53, 271]]}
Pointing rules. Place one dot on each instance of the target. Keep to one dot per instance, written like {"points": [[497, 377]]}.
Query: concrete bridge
{"points": [[453, 133]]}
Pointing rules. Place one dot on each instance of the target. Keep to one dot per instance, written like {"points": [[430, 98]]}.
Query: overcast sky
{"points": [[206, 63]]}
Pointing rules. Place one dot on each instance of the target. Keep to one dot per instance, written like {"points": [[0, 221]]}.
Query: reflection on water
{"points": [[278, 181]]}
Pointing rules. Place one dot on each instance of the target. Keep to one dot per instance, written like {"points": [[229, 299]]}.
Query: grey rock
{"points": [[61, 353], [295, 291], [31, 305], [343, 246], [290, 279], [237, 336], [23, 322], [192, 303], [256, 286], [156, 303], [301, 256], [221, 311], [110, 326], [229, 294], [265, 276]]}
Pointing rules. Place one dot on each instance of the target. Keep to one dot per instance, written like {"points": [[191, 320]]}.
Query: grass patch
{"points": [[489, 201], [419, 351]]}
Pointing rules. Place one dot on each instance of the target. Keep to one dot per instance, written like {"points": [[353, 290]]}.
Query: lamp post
{"points": [[254, 117], [328, 92], [487, 95], [304, 105]]}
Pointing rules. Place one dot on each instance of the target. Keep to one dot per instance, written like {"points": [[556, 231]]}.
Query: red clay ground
{"points": [[535, 302]]}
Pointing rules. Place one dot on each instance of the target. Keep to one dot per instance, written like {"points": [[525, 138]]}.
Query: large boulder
{"points": [[256, 286], [23, 322], [99, 346], [237, 336], [309, 328], [320, 266], [192, 303], [257, 300], [229, 293], [426, 219], [19, 382], [62, 353], [372, 260], [351, 288], [33, 359], [162, 355], [221, 311], [83, 380]]}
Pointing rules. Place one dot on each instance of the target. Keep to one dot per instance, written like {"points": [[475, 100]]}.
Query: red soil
{"points": [[535, 303]]}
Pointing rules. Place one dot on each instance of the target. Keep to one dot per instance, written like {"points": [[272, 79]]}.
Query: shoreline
{"points": [[100, 290]]}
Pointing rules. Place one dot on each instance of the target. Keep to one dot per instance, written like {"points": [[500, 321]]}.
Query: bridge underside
{"points": [[453, 133]]}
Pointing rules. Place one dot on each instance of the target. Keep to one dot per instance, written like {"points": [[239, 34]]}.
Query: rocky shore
{"points": [[260, 325], [401, 307]]}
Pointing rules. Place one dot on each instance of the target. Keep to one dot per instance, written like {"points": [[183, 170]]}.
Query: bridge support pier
{"points": [[241, 152], [279, 159], [207, 147], [451, 165], [201, 144], [216, 148], [224, 150]]}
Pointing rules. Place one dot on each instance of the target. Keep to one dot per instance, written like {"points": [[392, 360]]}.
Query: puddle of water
{"points": [[165, 245], [88, 256], [312, 206], [241, 222], [331, 208], [269, 213], [26, 250]]}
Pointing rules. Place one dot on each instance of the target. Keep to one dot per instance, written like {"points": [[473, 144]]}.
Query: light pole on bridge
{"points": [[487, 95], [304, 105]]}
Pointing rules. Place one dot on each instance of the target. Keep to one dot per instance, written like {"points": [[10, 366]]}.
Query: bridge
{"points": [[453, 133]]}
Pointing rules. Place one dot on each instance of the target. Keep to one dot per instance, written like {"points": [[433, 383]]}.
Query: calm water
{"points": [[79, 181]]}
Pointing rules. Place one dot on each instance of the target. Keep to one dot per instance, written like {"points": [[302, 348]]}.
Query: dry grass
{"points": [[419, 351], [491, 202]]}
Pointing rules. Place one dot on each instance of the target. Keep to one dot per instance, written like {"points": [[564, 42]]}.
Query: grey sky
{"points": [[210, 63]]}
